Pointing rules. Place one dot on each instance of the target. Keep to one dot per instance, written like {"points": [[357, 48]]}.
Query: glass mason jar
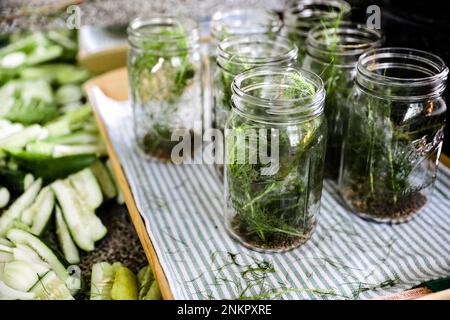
{"points": [[274, 149], [301, 16], [395, 133], [332, 53], [244, 21], [240, 53], [164, 67]]}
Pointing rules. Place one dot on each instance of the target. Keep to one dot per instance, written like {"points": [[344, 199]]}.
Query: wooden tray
{"points": [[112, 84]]}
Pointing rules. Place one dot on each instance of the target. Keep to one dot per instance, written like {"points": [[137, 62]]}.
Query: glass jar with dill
{"points": [[300, 16], [164, 67], [332, 53], [274, 152], [395, 133]]}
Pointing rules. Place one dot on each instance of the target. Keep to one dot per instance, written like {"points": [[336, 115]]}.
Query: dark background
{"points": [[423, 25]]}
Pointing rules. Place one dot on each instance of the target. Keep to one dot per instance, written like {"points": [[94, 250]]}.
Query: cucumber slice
{"points": [[22, 237], [38, 214], [66, 243], [119, 199], [50, 287], [145, 278], [8, 130], [4, 197], [84, 226], [125, 285], [87, 187], [153, 293], [22, 138], [24, 253], [43, 212], [28, 181], [104, 179], [102, 280], [8, 293], [68, 93], [15, 210], [19, 275], [6, 242], [6, 254]]}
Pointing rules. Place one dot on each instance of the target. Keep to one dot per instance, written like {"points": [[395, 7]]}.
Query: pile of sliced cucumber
{"points": [[26, 262], [53, 169]]}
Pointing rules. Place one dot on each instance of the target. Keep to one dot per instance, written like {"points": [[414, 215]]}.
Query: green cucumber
{"points": [[53, 168], [6, 254], [22, 138], [119, 198], [125, 285], [4, 197], [23, 252], [18, 236], [16, 209], [66, 243], [19, 275], [8, 293], [51, 287], [68, 93], [104, 179], [154, 293], [42, 211], [84, 226], [145, 279], [102, 280], [39, 210], [87, 187]]}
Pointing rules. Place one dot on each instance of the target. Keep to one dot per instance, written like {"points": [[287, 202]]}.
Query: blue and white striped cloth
{"points": [[346, 258]]}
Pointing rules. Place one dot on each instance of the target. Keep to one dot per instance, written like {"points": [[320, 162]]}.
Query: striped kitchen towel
{"points": [[346, 258]]}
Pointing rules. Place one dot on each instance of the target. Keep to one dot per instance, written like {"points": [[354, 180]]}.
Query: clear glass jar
{"points": [[395, 133], [332, 53], [301, 16], [240, 53], [164, 67], [275, 147], [243, 21]]}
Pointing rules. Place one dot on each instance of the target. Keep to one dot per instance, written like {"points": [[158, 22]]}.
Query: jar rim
{"points": [[146, 29], [250, 14], [300, 108], [226, 50], [430, 65], [361, 39], [302, 12]]}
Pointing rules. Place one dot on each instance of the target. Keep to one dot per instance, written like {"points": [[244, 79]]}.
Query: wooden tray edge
{"points": [[136, 217]]}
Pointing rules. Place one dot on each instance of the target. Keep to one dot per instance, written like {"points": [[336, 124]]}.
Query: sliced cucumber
{"points": [[66, 243], [28, 181], [104, 179], [15, 210], [6, 242], [43, 212], [22, 237], [50, 287], [23, 252], [38, 214], [154, 293], [102, 280], [68, 93], [19, 275], [87, 187], [6, 254], [8, 293], [119, 198], [84, 226], [21, 138], [62, 150], [145, 279], [4, 197]]}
